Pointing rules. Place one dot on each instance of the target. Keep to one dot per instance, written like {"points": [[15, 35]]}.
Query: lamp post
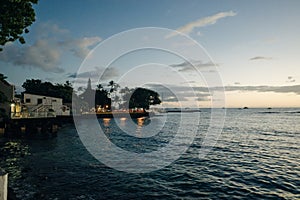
{"points": [[12, 109]]}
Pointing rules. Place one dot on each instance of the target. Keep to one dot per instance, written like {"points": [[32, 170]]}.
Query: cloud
{"points": [[277, 89], [170, 99], [271, 40], [71, 75], [261, 58], [188, 82], [98, 73], [187, 66], [46, 52], [199, 33], [47, 30], [210, 20], [41, 54], [175, 93], [80, 47], [203, 98], [291, 79]]}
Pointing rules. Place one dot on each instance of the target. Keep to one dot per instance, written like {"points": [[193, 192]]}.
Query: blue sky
{"points": [[254, 43]]}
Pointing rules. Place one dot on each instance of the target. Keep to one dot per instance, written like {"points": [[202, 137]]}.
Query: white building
{"points": [[40, 103]]}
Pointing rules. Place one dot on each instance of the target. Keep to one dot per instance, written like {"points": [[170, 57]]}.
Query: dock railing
{"points": [[36, 114]]}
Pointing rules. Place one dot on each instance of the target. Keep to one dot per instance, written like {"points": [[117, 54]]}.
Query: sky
{"points": [[251, 49]]}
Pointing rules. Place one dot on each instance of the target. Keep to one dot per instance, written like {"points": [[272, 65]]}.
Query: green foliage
{"points": [[15, 17], [35, 86]]}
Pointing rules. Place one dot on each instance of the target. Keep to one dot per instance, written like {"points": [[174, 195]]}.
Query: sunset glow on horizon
{"points": [[255, 50]]}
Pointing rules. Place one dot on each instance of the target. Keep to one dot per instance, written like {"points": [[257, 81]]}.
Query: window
{"points": [[53, 100], [39, 101], [27, 100]]}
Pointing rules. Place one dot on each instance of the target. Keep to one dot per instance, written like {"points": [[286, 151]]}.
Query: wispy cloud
{"points": [[188, 66], [80, 47], [98, 73], [277, 89], [183, 93], [202, 22], [175, 93], [47, 51], [261, 58], [271, 40]]}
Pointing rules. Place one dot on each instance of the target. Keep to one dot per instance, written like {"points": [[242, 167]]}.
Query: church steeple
{"points": [[89, 85]]}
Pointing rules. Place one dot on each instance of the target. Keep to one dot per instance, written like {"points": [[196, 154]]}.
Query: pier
{"points": [[30, 127], [48, 126], [133, 115]]}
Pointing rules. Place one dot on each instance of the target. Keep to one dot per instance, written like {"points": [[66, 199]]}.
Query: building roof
{"points": [[5, 82], [41, 95]]}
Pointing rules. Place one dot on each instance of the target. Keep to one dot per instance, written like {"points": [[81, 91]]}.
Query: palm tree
{"points": [[99, 87], [113, 86], [112, 92]]}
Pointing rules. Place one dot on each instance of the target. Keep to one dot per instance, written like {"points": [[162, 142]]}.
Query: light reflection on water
{"points": [[140, 123], [13, 153], [106, 122], [256, 157]]}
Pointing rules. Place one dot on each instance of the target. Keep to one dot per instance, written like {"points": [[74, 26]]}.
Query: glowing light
{"points": [[140, 121], [12, 107], [106, 121]]}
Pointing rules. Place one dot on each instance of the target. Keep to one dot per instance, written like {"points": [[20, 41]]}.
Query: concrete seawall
{"points": [[3, 184]]}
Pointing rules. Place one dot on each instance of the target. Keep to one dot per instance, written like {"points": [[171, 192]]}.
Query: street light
{"points": [[12, 107]]}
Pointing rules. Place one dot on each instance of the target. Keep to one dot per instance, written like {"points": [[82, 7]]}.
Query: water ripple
{"points": [[254, 158]]}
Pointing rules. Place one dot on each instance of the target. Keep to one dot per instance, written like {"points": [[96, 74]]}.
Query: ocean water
{"points": [[257, 156]]}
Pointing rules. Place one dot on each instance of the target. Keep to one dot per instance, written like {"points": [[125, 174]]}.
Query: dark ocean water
{"points": [[257, 156]]}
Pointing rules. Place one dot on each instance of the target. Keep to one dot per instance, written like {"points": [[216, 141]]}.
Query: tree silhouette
{"points": [[15, 17], [3, 98], [113, 86], [101, 97], [140, 98], [112, 92], [36, 86]]}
